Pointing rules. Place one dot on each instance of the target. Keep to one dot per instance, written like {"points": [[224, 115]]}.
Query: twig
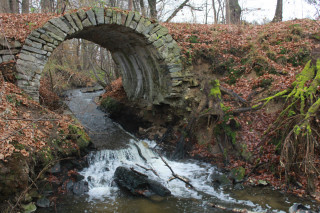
{"points": [[139, 173], [234, 95], [140, 153], [152, 170], [175, 175], [246, 109]]}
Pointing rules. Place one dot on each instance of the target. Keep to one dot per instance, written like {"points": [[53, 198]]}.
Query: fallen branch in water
{"points": [[140, 153], [139, 173], [175, 175], [152, 170]]}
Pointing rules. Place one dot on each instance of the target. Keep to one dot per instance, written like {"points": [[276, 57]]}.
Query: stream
{"points": [[116, 147]]}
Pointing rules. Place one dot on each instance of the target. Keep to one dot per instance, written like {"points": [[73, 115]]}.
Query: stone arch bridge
{"points": [[145, 52]]}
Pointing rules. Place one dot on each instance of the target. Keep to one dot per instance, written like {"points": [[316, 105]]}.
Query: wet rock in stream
{"points": [[138, 184]]}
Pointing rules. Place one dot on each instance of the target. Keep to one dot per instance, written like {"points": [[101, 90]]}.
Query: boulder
{"points": [[139, 184], [43, 202], [80, 187], [299, 208]]}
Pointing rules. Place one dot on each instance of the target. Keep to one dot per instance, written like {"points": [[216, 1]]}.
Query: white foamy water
{"points": [[102, 165]]}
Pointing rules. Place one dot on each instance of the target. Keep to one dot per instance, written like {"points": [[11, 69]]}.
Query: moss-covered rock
{"points": [[78, 135], [111, 105], [237, 174]]}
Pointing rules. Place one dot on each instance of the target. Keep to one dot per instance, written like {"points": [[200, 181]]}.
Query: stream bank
{"points": [[104, 195]]}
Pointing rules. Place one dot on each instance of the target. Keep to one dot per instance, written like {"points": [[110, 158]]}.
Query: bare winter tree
{"points": [[175, 12], [278, 14], [9, 6], [153, 9], [233, 12], [25, 6]]}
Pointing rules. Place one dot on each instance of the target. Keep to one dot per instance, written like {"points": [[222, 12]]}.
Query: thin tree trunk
{"points": [[227, 12], [143, 8], [233, 12], [177, 10], [25, 6], [4, 8], [278, 14], [130, 5], [153, 9], [215, 15]]}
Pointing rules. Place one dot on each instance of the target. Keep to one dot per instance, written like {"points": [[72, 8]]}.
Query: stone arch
{"points": [[146, 53]]}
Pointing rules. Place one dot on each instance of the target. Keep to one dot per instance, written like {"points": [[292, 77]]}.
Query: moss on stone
{"points": [[79, 136], [215, 90]]}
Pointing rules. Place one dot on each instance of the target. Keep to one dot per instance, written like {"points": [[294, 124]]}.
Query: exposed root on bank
{"points": [[297, 126]]}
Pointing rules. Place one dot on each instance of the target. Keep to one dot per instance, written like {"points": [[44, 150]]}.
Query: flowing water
{"points": [[117, 147]]}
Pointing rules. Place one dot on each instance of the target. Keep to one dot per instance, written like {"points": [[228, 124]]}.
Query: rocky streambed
{"points": [[126, 174]]}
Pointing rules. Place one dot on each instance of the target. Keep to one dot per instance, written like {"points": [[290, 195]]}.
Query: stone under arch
{"points": [[146, 53]]}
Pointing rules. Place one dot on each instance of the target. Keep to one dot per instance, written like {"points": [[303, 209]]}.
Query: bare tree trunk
{"points": [[14, 6], [153, 9], [215, 15], [177, 10], [233, 12], [130, 5], [278, 14], [46, 6], [25, 6], [4, 8], [143, 8]]}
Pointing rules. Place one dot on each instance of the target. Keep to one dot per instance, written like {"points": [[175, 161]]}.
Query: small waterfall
{"points": [[102, 165]]}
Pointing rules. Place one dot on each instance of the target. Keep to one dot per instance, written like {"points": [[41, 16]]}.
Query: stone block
{"points": [[47, 48], [82, 15], [1, 60], [59, 23], [129, 18], [71, 21], [158, 43], [27, 57], [100, 15], [141, 25], [35, 34], [35, 50], [46, 38], [59, 35], [133, 25], [148, 29], [54, 36], [123, 18], [49, 54], [77, 20], [168, 38], [107, 20], [152, 38], [9, 52], [33, 44], [51, 45], [155, 29], [38, 56], [114, 17], [91, 17], [137, 16], [86, 23], [162, 32], [109, 12], [6, 58], [40, 30], [36, 39]]}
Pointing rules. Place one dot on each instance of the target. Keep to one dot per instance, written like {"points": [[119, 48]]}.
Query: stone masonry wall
{"points": [[145, 52]]}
